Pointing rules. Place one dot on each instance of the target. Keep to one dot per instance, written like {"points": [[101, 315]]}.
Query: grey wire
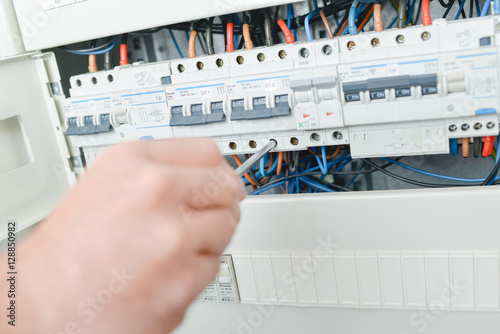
{"points": [[240, 171], [210, 37], [401, 23], [108, 63], [294, 164], [268, 31]]}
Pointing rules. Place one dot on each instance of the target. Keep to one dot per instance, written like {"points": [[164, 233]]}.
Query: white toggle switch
{"points": [[456, 82]]}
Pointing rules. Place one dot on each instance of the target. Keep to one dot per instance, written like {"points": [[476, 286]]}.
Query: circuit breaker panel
{"points": [[390, 93]]}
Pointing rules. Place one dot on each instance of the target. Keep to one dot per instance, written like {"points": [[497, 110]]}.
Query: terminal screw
{"points": [[425, 35], [315, 137], [465, 127], [400, 39], [304, 53], [338, 135], [375, 42], [478, 126], [351, 45], [327, 50], [452, 128], [490, 125]]}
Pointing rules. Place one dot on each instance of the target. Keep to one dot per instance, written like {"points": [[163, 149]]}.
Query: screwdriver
{"points": [[240, 171]]}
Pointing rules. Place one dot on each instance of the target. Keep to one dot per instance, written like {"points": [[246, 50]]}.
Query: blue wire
{"points": [[320, 164], [272, 170], [460, 9], [343, 165], [390, 26], [371, 17], [261, 190], [352, 18], [344, 31], [410, 13], [360, 9], [486, 7], [315, 185], [315, 4], [238, 21], [356, 176], [336, 20], [323, 153], [439, 176], [294, 30], [175, 43], [453, 147], [263, 166], [330, 164], [289, 16], [291, 188], [496, 7], [307, 26], [100, 52], [295, 182], [478, 10], [187, 36]]}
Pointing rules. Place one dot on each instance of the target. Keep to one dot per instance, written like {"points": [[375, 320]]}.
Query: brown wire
{"points": [[192, 44], [325, 22], [249, 179], [286, 171], [367, 17], [328, 157], [342, 29], [377, 18], [465, 147], [247, 38]]}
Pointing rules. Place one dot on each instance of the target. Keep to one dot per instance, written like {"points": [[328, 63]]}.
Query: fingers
{"points": [[181, 152], [201, 188], [211, 230], [207, 267]]}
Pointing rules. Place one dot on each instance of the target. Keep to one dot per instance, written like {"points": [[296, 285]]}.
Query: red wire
{"points": [[230, 37], [426, 13], [488, 146], [288, 35], [123, 54]]}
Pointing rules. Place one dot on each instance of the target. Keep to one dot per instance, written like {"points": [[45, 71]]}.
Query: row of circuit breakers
{"points": [[396, 92]]}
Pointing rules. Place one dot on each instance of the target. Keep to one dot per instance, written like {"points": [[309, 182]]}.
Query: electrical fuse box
{"points": [[388, 103]]}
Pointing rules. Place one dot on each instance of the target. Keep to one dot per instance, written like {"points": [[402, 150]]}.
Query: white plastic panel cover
{"points": [[34, 167]]}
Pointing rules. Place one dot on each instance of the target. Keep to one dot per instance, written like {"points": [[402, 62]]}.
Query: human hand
{"points": [[133, 244]]}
